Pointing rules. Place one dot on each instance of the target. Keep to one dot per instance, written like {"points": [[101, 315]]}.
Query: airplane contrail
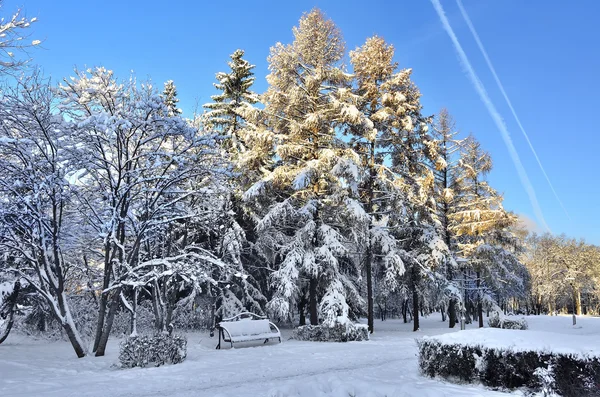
{"points": [[508, 102], [479, 87]]}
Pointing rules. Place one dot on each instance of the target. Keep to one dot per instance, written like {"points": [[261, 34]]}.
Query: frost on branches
{"points": [[13, 35], [151, 188], [38, 220], [388, 105], [222, 114], [482, 230], [313, 188], [447, 191]]}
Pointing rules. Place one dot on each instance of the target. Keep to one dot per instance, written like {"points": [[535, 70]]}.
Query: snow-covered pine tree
{"points": [[416, 224], [480, 219], [170, 97], [305, 225], [386, 101], [446, 170], [222, 114], [447, 189], [225, 117]]}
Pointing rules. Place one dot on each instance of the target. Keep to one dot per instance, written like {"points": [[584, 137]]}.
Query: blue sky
{"points": [[545, 53]]}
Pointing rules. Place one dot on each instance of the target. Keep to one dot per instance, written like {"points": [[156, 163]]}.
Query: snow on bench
{"points": [[247, 327]]}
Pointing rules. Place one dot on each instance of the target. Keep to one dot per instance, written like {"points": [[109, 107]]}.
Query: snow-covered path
{"points": [[384, 366]]}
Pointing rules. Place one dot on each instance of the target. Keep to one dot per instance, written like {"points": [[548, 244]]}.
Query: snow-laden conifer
{"points": [[313, 189], [235, 86], [170, 97], [481, 224], [447, 189], [389, 107]]}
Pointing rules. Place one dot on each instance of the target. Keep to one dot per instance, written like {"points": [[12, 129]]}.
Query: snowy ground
{"points": [[384, 366]]}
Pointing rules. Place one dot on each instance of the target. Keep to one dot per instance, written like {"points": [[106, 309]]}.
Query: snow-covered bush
{"points": [[571, 374], [152, 351], [339, 332], [497, 320]]}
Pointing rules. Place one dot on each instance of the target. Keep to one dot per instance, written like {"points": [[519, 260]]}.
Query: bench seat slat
{"points": [[247, 338], [247, 327]]}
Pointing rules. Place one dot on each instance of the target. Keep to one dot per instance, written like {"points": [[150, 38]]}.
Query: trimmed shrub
{"points": [[152, 351], [499, 321], [340, 332], [568, 375]]}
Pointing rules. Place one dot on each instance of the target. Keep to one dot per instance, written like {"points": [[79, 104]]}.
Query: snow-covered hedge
{"points": [[339, 332], [497, 320], [152, 351], [511, 366]]}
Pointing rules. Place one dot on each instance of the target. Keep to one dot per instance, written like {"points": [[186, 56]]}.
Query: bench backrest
{"points": [[247, 327]]}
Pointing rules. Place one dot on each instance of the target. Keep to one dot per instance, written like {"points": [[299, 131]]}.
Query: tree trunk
{"points": [[479, 301], [170, 301], [100, 324], [104, 296], [369, 256], [415, 298], [577, 300], [114, 304], [302, 310], [443, 311], [134, 312], [452, 315], [452, 318], [157, 306], [370, 319], [10, 304], [314, 320], [74, 339], [404, 310], [468, 311], [385, 311], [480, 313]]}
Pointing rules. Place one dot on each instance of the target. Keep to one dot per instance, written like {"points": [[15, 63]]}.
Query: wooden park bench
{"points": [[246, 327]]}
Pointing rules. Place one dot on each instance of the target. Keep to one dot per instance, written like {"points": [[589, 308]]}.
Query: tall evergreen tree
{"points": [[316, 177], [413, 151], [384, 97], [170, 97], [480, 219], [447, 189], [223, 114]]}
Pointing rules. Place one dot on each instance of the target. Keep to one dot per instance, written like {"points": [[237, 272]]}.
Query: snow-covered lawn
{"points": [[384, 366]]}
